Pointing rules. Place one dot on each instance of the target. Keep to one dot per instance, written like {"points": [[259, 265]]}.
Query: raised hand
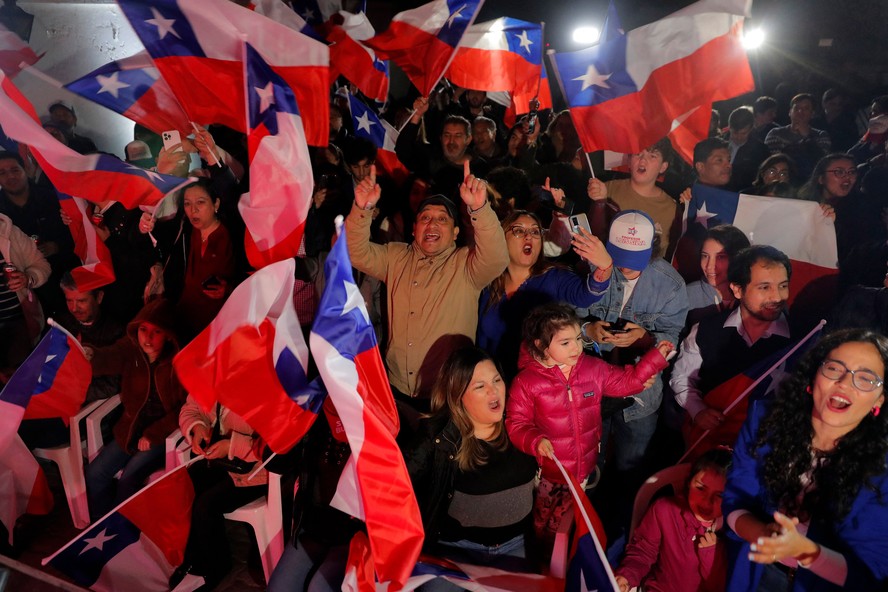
{"points": [[473, 190], [367, 192]]}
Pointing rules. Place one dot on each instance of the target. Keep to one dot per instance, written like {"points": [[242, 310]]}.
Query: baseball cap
{"points": [[438, 200], [137, 150], [631, 240], [61, 103]]}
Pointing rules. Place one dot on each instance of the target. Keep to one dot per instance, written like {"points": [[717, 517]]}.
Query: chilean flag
{"points": [[520, 103], [14, 51], [137, 545], [732, 397], [501, 55], [133, 87], [374, 486], [96, 177], [253, 359], [354, 60], [625, 94], [809, 240], [97, 269], [588, 569], [281, 182], [63, 377], [197, 48], [23, 485], [423, 41], [367, 124]]}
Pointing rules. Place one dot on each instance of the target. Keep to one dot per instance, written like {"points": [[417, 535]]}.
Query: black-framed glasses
{"points": [[843, 173], [779, 173], [863, 380], [521, 232]]}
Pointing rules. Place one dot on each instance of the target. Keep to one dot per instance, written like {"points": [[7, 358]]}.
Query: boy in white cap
{"points": [[645, 303]]}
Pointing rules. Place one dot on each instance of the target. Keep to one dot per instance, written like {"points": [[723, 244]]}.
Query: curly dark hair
{"points": [[858, 457]]}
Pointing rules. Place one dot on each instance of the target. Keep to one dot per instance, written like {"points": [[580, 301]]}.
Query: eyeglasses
{"points": [[779, 173], [521, 232], [842, 173], [863, 380]]}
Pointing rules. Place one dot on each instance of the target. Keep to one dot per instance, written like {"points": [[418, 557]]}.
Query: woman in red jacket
{"points": [[554, 407]]}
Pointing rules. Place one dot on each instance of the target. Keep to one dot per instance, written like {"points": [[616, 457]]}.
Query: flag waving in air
{"points": [[14, 52], [281, 182], [367, 125], [96, 177], [626, 93], [423, 41], [253, 359], [197, 47], [374, 486], [501, 55], [97, 269], [354, 60], [133, 87]]}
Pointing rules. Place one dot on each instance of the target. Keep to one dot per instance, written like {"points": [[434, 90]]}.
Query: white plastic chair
{"points": [[265, 517], [69, 459], [94, 438], [674, 476]]}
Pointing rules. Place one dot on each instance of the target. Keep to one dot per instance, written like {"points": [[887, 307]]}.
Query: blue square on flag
{"points": [[597, 74]]}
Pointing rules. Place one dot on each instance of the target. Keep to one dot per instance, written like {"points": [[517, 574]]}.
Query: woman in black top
{"points": [[475, 490]]}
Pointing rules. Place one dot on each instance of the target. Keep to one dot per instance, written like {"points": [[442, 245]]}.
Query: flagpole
{"points": [[746, 392], [42, 76], [576, 495], [86, 530], [551, 54], [262, 466]]}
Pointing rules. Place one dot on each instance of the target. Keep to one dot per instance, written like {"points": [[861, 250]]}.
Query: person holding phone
{"points": [[529, 281]]}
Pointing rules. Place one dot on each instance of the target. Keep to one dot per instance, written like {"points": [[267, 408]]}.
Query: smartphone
{"points": [[578, 221], [532, 121], [211, 283], [171, 138], [617, 327]]}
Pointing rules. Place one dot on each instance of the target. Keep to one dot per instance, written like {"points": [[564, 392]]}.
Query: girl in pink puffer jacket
{"points": [[554, 406]]}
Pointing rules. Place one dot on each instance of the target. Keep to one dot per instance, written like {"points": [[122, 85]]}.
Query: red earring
{"points": [[808, 389], [876, 411]]}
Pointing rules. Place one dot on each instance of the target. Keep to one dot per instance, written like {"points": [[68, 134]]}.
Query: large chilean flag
{"points": [[625, 94], [133, 87], [197, 48], [96, 177], [354, 60], [281, 183], [501, 55], [423, 41]]}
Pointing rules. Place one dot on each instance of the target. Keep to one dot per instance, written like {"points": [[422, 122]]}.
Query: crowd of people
{"points": [[528, 312]]}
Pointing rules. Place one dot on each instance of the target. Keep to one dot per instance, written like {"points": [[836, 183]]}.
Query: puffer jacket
{"points": [[128, 360], [544, 404]]}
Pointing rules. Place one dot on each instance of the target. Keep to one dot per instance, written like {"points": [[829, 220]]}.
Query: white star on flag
{"points": [[98, 541], [354, 300], [703, 216], [150, 174], [364, 122], [266, 96], [593, 78], [525, 41], [456, 14], [110, 84], [164, 25], [308, 15]]}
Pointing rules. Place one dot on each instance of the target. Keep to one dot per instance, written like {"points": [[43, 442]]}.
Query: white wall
{"points": [[78, 37]]}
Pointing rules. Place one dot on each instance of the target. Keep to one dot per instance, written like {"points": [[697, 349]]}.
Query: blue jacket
{"points": [[860, 536], [499, 327], [659, 303]]}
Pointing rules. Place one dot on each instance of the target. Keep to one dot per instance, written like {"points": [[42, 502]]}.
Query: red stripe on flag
{"points": [[285, 248], [718, 69], [493, 70], [422, 56]]}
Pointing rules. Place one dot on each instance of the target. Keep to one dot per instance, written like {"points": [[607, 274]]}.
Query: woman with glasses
{"points": [[776, 177], [834, 184], [529, 281], [807, 497]]}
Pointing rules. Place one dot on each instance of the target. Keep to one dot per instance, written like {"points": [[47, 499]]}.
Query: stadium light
{"points": [[586, 35], [754, 38]]}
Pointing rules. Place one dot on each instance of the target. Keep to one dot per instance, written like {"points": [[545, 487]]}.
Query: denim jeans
{"points": [[630, 440], [111, 459], [297, 570]]}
